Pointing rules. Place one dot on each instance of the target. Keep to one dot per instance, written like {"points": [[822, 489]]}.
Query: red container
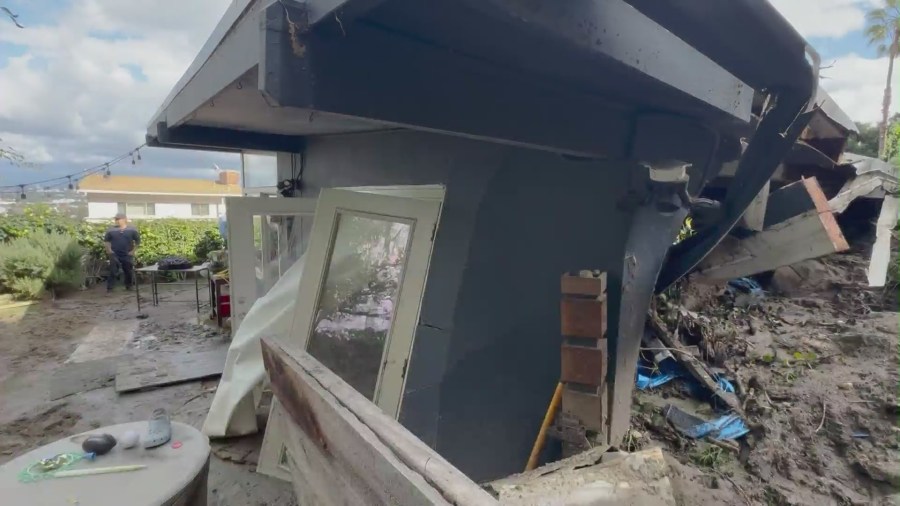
{"points": [[224, 306]]}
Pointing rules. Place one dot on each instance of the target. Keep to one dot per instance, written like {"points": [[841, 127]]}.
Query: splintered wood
{"points": [[584, 358]]}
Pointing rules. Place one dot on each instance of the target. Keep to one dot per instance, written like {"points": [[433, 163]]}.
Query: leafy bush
{"points": [[41, 261], [171, 237], [27, 260], [209, 242]]}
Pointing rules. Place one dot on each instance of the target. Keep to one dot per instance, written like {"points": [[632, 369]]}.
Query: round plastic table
{"points": [[175, 475]]}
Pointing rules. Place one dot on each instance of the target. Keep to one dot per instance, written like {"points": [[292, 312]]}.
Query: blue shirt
{"points": [[122, 240]]}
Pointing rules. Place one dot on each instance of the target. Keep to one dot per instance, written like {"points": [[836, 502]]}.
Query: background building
{"points": [[158, 197]]}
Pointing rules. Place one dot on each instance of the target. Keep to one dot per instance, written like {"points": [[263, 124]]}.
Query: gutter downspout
{"points": [[779, 129]]}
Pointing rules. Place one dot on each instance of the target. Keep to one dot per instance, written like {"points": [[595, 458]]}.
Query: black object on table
{"points": [[154, 271]]}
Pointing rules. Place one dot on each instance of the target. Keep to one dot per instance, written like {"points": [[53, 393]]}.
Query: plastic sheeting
{"points": [[233, 409]]}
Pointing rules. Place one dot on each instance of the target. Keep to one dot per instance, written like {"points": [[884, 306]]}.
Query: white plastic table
{"points": [[173, 477]]}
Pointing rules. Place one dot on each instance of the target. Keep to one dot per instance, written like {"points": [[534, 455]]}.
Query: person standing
{"points": [[121, 241]]}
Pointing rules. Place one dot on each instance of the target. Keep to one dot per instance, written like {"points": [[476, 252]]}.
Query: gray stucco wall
{"points": [[486, 354]]}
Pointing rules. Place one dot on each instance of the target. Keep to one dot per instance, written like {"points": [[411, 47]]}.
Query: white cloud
{"points": [[857, 85], [825, 18], [91, 77], [854, 81]]}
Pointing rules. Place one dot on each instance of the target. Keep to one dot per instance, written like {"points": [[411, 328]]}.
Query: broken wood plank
{"points": [[693, 366], [586, 366], [793, 200], [345, 450], [864, 185], [583, 317], [755, 215], [160, 369], [881, 250], [579, 285], [810, 235], [76, 377]]}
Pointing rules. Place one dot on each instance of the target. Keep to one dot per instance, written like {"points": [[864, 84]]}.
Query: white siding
{"points": [[102, 210], [104, 206]]}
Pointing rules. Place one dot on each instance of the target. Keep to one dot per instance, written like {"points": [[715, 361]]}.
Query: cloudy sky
{"points": [[79, 84]]}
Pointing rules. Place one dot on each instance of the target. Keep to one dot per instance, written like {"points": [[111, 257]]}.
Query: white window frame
{"points": [[419, 204], [239, 213], [208, 210]]}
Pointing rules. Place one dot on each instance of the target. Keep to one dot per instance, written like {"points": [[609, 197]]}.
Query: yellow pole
{"points": [[542, 434]]}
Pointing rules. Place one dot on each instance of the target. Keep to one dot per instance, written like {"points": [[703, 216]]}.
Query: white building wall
{"points": [[104, 206], [102, 210]]}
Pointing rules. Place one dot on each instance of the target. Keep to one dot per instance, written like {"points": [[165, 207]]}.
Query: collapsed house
{"points": [[817, 191], [495, 145]]}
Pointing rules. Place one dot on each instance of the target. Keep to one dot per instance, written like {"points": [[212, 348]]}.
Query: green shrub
{"points": [[209, 242], [40, 261], [171, 237], [22, 261], [27, 288]]}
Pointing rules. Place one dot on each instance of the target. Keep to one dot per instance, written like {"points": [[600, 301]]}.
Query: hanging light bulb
{"points": [[71, 186], [138, 151], [22, 188], [133, 161], [108, 172]]}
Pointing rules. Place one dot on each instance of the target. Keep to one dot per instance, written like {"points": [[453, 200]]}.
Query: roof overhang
{"points": [[563, 76]]}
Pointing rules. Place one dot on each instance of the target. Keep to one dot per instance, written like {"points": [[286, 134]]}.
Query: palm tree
{"points": [[883, 32]]}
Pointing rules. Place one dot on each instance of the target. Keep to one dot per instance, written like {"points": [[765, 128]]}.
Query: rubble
{"points": [[815, 371]]}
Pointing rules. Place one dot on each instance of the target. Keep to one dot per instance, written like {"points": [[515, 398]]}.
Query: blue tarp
{"points": [[729, 426]]}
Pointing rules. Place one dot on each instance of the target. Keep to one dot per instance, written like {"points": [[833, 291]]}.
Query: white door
{"points": [[358, 301], [359, 298], [265, 237]]}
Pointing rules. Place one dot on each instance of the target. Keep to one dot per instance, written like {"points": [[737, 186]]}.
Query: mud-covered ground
{"points": [[816, 369], [816, 366], [37, 340]]}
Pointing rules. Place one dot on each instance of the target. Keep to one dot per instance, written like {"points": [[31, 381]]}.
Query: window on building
{"points": [[199, 209], [259, 169], [137, 209]]}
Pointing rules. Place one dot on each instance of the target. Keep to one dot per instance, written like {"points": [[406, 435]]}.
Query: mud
{"points": [[817, 374], [36, 340]]}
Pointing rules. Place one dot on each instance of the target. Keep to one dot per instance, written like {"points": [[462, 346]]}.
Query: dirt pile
{"points": [[816, 374]]}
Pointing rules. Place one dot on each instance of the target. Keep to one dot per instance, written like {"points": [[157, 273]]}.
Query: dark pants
{"points": [[126, 262]]}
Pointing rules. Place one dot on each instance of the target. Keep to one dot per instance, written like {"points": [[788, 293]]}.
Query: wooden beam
{"points": [[881, 250], [793, 200], [859, 186], [810, 235], [345, 450], [755, 215]]}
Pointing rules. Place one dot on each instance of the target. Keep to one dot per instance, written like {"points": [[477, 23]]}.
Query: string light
{"points": [[59, 181]]}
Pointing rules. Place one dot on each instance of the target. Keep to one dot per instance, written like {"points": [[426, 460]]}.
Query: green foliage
{"points": [[712, 457], [41, 261], [210, 241], [39, 238], [171, 237], [866, 142]]}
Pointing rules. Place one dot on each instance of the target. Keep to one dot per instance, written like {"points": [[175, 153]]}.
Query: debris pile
{"points": [[782, 396]]}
